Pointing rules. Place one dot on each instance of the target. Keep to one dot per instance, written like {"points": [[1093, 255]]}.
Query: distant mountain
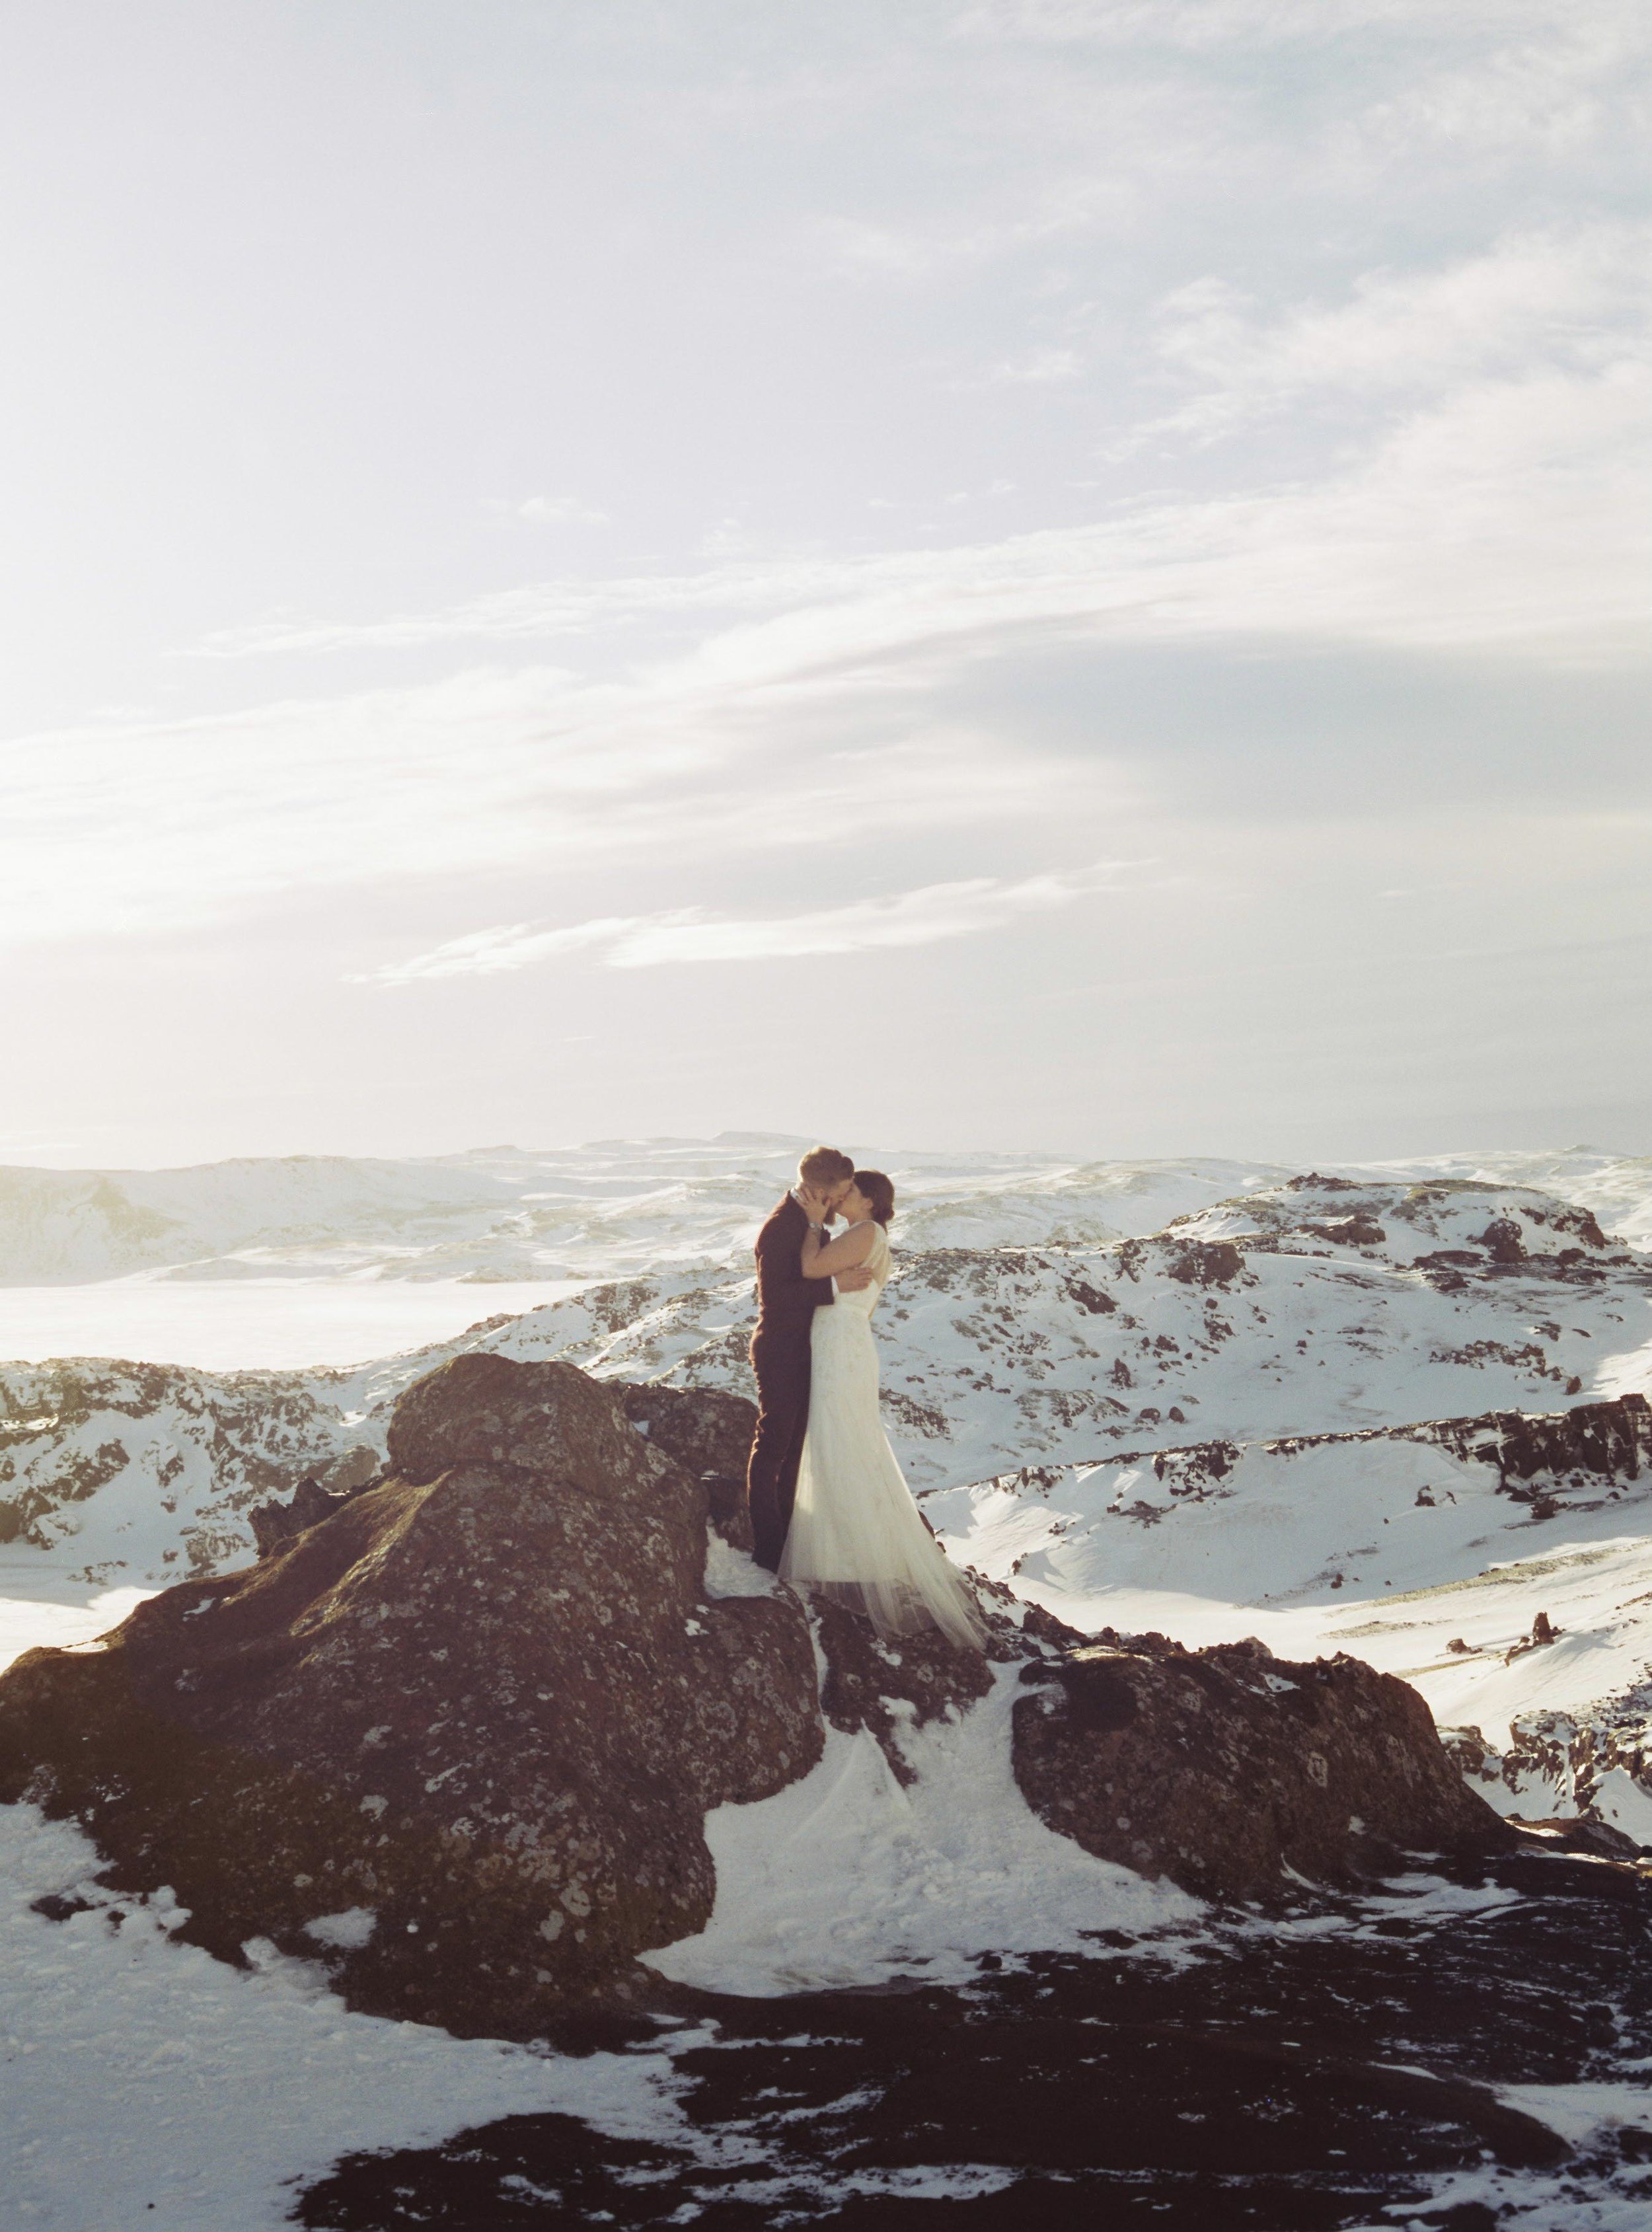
{"points": [[616, 1207]]}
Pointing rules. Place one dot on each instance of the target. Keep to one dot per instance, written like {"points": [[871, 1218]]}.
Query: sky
{"points": [[1053, 573]]}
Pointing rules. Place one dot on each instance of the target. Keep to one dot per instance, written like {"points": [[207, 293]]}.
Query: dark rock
{"points": [[275, 1524], [1046, 1628], [57, 1906], [487, 1700], [1206, 1263], [709, 1434], [1361, 2073], [702, 1429], [1610, 1440], [1503, 1241], [1360, 1230], [1567, 1833], [1222, 1768]]}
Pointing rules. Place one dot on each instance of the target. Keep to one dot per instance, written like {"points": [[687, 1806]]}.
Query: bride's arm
{"points": [[824, 1259]]}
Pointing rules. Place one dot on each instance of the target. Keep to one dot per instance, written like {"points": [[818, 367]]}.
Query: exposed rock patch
{"points": [[1220, 1768]]}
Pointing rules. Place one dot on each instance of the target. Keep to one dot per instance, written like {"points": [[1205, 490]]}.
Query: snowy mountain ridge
{"points": [[612, 1208], [1330, 1311]]}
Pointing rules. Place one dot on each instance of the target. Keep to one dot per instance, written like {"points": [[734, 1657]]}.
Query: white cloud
{"points": [[1501, 504], [924, 917], [1507, 511], [1568, 93], [1495, 493], [1577, 300]]}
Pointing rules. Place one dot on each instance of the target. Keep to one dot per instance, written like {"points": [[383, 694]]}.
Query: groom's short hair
{"points": [[825, 1166]]}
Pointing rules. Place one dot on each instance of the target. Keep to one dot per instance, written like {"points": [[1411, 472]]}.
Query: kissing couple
{"points": [[831, 1508]]}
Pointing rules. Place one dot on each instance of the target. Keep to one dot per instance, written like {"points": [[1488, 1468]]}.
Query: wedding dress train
{"points": [[856, 1532]]}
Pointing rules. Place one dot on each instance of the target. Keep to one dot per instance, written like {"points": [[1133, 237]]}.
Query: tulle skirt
{"points": [[856, 1532]]}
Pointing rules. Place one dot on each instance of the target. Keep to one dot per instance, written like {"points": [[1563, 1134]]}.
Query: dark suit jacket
{"points": [[786, 1301]]}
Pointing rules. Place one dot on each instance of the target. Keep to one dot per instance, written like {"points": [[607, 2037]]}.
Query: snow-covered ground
{"points": [[847, 1878], [502, 1214], [146, 2084], [277, 1324]]}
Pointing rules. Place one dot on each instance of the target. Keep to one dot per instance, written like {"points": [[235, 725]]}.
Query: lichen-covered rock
{"points": [[458, 1739], [1220, 1768], [709, 1434]]}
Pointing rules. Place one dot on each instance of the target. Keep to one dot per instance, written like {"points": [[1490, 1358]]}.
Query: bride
{"points": [[856, 1532]]}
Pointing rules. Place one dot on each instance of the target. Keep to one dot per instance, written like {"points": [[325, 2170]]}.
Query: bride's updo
{"points": [[879, 1192]]}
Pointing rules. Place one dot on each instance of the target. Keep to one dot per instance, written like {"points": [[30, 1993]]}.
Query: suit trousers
{"points": [[780, 1358]]}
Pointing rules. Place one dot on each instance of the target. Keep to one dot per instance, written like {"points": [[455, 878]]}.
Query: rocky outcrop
{"points": [[1570, 1762], [317, 1496], [709, 1434], [1220, 1768], [456, 1734], [459, 1738]]}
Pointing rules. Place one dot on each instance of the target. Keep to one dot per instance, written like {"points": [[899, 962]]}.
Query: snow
{"points": [[139, 2071], [847, 1878], [284, 1324]]}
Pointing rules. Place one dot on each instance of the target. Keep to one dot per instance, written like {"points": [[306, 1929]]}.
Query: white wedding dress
{"points": [[856, 1532]]}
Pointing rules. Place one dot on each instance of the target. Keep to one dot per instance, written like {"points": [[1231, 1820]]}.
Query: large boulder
{"points": [[458, 1738], [1220, 1768]]}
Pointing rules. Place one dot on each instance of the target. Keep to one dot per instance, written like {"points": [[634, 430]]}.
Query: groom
{"points": [[786, 1305]]}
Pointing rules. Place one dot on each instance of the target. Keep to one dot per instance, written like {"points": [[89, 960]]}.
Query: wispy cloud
{"points": [[1508, 512], [924, 917], [1038, 367], [1504, 513], [1574, 300]]}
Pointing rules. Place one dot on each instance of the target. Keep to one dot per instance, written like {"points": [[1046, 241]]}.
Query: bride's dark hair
{"points": [[879, 1192]]}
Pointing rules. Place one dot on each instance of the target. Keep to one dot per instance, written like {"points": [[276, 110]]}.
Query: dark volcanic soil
{"points": [[1333, 2068]]}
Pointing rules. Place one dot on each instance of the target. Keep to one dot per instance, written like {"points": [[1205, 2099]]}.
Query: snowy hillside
{"points": [[1326, 1311], [616, 1207], [1055, 1395], [1316, 1316], [1468, 1534], [502, 1214]]}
